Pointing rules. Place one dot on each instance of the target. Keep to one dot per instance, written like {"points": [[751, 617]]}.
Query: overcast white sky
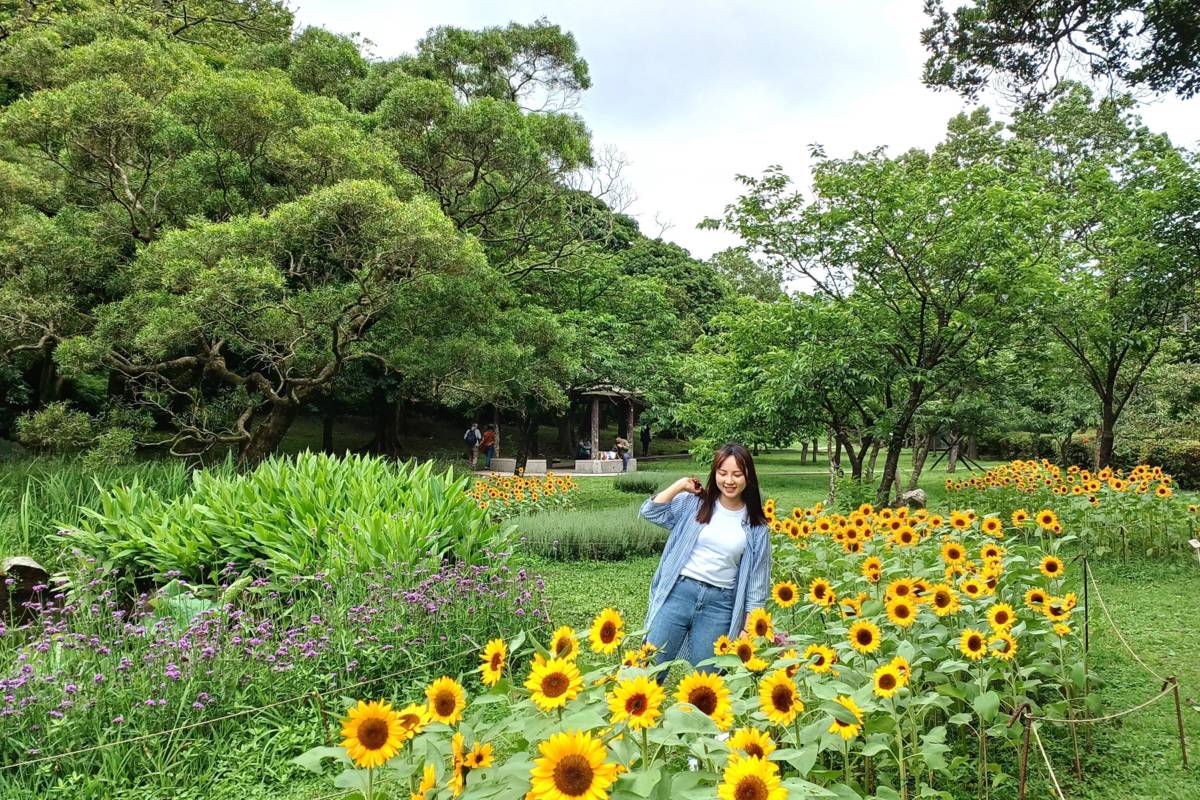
{"points": [[694, 93]]}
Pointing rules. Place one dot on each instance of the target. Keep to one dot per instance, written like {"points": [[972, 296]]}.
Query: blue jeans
{"points": [[696, 611], [488, 455]]}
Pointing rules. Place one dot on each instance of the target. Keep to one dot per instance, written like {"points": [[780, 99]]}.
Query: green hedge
{"points": [[1010, 445], [641, 482], [605, 535], [291, 516], [1178, 457]]}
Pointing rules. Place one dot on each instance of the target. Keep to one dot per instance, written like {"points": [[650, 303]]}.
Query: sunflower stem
{"points": [[645, 750]]}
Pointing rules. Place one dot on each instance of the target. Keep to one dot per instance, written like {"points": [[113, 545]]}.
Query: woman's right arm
{"points": [[661, 509]]}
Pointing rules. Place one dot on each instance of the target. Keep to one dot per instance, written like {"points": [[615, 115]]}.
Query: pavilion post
{"points": [[629, 420], [595, 427]]}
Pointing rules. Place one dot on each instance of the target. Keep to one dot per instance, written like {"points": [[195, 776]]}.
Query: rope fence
{"points": [[1049, 768], [307, 696]]}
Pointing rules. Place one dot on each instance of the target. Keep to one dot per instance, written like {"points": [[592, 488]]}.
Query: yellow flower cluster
{"points": [[508, 495], [1036, 476]]}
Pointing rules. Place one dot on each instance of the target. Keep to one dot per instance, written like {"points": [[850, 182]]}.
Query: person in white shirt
{"points": [[716, 566]]}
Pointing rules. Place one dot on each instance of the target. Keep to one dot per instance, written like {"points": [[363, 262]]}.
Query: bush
{"points": [[608, 535], [291, 516], [640, 482], [57, 428], [1180, 458]]}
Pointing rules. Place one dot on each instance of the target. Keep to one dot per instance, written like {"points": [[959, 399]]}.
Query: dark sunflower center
{"points": [[819, 591], [864, 636], [941, 599], [409, 721], [554, 684], [750, 787], [573, 775], [820, 662], [373, 733], [782, 698], [901, 590], [785, 593], [1052, 567], [497, 660], [760, 627], [1001, 617], [974, 643], [443, 704], [563, 647], [636, 704], [745, 653], [755, 751], [902, 611], [704, 699], [608, 632], [887, 681]]}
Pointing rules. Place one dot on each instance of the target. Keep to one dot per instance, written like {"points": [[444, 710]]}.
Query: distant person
{"points": [[716, 565], [645, 440], [488, 445], [473, 437], [622, 448], [583, 450]]}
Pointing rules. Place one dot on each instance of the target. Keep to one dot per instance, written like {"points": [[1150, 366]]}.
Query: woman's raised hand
{"points": [[690, 485]]}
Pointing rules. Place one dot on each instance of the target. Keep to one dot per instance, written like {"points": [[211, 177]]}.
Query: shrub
{"points": [[57, 428], [640, 482], [1178, 458], [291, 516], [606, 535]]}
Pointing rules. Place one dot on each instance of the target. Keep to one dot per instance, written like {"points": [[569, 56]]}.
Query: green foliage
{"points": [[57, 428], [643, 483], [1179, 458], [291, 517], [604, 535]]}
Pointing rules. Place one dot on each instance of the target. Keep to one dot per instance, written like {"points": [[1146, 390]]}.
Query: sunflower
{"points": [[943, 599], [1162, 490], [608, 629], [791, 655], [757, 664], [820, 592], [447, 700], [412, 719], [852, 606], [572, 765], [902, 667], [636, 702], [959, 521], [1001, 617], [864, 636], [1062, 628], [887, 680], [935, 521], [564, 644], [785, 594], [428, 781], [779, 698], [953, 552], [872, 569], [494, 656], [1056, 609], [1046, 519], [1003, 646], [973, 644], [371, 734], [1020, 517], [1052, 567], [633, 658], [905, 537], [847, 729], [758, 623], [554, 683], [901, 587], [751, 779], [992, 526], [723, 646], [902, 612], [743, 648], [751, 742], [707, 691], [1035, 599], [972, 587], [992, 552], [819, 658]]}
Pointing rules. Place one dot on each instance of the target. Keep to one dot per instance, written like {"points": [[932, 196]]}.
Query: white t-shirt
{"points": [[719, 548]]}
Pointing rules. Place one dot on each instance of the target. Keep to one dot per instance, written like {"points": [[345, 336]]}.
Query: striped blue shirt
{"points": [[754, 570]]}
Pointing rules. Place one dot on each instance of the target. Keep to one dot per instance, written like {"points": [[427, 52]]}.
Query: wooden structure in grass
{"points": [[629, 401]]}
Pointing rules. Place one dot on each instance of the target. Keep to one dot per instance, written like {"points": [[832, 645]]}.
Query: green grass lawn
{"points": [[1155, 605]]}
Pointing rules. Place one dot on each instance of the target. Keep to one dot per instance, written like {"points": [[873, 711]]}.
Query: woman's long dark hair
{"points": [[750, 495]]}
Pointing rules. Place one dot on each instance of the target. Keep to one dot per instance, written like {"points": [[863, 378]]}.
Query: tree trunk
{"points": [[1106, 440], [891, 465], [49, 382], [1064, 450], [327, 431], [267, 435], [920, 453], [803, 453], [389, 424], [496, 430], [833, 468], [972, 447], [595, 427], [952, 454], [814, 450], [876, 446]]}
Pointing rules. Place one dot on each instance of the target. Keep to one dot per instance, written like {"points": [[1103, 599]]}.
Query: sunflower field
{"points": [[505, 496], [893, 650], [1113, 511]]}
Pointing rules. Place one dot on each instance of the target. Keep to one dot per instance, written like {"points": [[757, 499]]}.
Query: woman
{"points": [[488, 445], [716, 566]]}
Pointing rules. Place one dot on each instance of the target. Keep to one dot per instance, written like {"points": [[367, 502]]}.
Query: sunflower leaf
{"points": [[311, 759]]}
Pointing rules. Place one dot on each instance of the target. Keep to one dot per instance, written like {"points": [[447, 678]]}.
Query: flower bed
{"points": [[506, 496], [892, 651]]}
